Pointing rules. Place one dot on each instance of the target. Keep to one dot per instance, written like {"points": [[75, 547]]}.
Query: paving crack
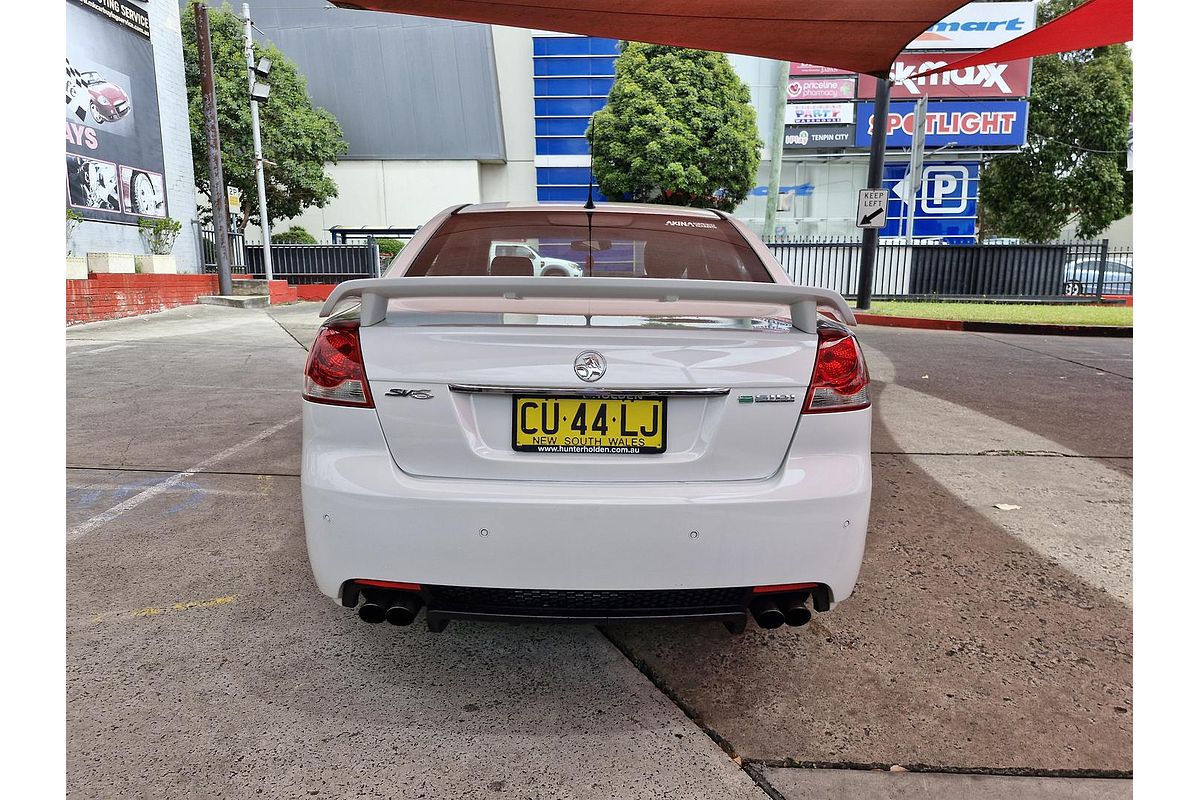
{"points": [[998, 338], [753, 767], [283, 328], [1020, 772], [993, 453], [690, 712]]}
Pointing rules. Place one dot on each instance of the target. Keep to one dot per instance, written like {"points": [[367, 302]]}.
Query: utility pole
{"points": [[212, 136], [870, 245], [264, 219], [781, 82], [916, 163]]}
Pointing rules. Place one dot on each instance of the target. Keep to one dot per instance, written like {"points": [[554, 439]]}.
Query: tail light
{"points": [[840, 381], [782, 587], [335, 374]]}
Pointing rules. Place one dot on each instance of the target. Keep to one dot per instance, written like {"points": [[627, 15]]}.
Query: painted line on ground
{"points": [[102, 349], [84, 528], [252, 474], [154, 611]]}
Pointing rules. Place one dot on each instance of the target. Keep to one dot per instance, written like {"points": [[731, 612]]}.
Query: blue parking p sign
{"points": [[946, 201]]}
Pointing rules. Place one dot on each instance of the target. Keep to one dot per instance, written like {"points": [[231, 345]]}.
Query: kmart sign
{"points": [[978, 26]]}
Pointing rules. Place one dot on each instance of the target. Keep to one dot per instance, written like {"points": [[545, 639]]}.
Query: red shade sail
{"points": [[1094, 24], [856, 35]]}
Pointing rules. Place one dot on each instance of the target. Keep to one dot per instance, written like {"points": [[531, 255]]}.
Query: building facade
{"points": [[973, 114], [438, 112], [434, 112], [128, 146]]}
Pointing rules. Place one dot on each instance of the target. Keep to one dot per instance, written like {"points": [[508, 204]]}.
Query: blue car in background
{"points": [[1081, 275]]}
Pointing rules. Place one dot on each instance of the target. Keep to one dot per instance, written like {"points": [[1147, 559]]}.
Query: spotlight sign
{"points": [[114, 154], [975, 123]]}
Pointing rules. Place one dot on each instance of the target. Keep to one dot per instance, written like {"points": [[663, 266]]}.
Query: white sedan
{"points": [[678, 434]]}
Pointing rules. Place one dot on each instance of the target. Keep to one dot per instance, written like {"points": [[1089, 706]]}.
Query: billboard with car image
{"points": [[114, 153]]}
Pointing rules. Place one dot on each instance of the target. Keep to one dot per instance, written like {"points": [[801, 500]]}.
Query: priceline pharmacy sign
{"points": [[978, 26]]}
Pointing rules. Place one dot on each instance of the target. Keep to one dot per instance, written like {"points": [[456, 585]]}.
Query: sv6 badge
{"points": [[416, 394]]}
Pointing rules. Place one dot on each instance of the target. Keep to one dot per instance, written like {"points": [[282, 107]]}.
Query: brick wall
{"points": [[113, 296], [314, 291]]}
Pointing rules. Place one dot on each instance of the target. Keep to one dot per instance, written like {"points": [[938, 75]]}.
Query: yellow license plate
{"points": [[565, 424]]}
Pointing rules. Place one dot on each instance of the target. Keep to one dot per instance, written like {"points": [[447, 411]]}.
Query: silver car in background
{"points": [[1080, 277]]}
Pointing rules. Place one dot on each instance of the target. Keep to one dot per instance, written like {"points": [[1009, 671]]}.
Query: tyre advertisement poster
{"points": [[114, 154]]}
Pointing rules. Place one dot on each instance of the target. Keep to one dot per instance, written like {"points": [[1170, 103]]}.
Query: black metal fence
{"points": [[295, 263], [918, 270], [315, 263], [208, 250], [1018, 271], [342, 235]]}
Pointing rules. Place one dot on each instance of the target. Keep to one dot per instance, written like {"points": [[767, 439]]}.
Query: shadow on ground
{"points": [[960, 648]]}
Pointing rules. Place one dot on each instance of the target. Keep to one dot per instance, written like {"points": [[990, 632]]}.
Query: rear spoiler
{"points": [[802, 300]]}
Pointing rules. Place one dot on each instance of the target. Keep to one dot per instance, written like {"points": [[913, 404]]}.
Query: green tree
{"points": [[1073, 167], [293, 235], [678, 129], [297, 138]]}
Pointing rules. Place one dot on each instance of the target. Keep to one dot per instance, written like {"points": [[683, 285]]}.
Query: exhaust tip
{"points": [[795, 612], [373, 613], [767, 614], [403, 610]]}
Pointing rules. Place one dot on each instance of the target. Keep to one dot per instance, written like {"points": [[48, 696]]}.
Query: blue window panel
{"points": [[565, 126], [603, 47], [567, 176], [562, 147], [571, 87], [549, 67], [573, 46], [561, 46], [568, 194], [568, 106]]}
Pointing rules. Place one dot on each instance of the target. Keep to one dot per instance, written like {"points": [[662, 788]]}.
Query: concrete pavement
{"points": [[202, 661]]}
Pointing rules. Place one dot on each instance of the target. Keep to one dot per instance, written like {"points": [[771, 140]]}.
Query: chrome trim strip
{"points": [[570, 391]]}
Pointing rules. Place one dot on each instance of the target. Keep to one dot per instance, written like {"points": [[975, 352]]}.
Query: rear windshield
{"points": [[568, 243]]}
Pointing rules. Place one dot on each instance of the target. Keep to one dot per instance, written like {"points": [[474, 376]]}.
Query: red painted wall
{"points": [[114, 296], [314, 291]]}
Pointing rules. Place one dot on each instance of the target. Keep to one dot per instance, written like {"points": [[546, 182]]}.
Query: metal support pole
{"points": [[263, 218], [217, 195], [781, 82], [916, 163], [870, 245], [373, 254], [1100, 270]]}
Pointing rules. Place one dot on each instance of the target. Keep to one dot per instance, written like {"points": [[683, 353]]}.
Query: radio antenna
{"points": [[590, 204]]}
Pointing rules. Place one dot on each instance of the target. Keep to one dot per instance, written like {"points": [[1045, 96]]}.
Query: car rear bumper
{"points": [[366, 519]]}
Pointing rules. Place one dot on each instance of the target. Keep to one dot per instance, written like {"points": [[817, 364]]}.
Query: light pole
{"points": [[916, 162], [870, 240], [258, 91], [217, 193], [777, 127]]}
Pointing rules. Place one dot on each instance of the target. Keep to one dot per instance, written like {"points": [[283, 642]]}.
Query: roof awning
{"points": [[1096, 23], [856, 35]]}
